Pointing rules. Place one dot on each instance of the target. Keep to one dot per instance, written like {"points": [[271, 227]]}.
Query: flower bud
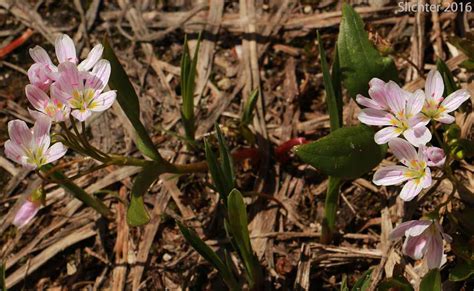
{"points": [[436, 156], [28, 209]]}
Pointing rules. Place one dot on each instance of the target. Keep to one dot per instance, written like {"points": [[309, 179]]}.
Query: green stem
{"points": [[330, 209]]}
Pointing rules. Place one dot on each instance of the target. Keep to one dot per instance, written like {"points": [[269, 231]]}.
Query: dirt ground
{"points": [[266, 44]]}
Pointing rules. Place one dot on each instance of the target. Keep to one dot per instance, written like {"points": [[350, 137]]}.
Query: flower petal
{"points": [[426, 181], [81, 115], [400, 230], [94, 55], [20, 133], [418, 228], [39, 55], [403, 150], [434, 252], [367, 102], [37, 97], [25, 214], [434, 86], [100, 76], [386, 134], [55, 152], [59, 94], [65, 49], [377, 92], [410, 190], [372, 116], [455, 99], [417, 136], [103, 101], [396, 98], [415, 247], [41, 132], [390, 175], [445, 118], [415, 102], [14, 152]]}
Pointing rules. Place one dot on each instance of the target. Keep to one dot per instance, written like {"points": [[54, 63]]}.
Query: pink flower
{"points": [[414, 171], [436, 107], [84, 94], [51, 107], [43, 72], [424, 238], [26, 213], [396, 108], [31, 147], [436, 156]]}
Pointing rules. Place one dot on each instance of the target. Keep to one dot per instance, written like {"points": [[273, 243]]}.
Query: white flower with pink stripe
{"points": [[415, 171], [436, 107], [398, 110], [424, 238], [31, 147]]}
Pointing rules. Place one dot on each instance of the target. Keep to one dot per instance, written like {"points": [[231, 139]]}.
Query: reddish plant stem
{"points": [[4, 51]]}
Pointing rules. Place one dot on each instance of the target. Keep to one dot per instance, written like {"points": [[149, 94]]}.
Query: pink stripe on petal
{"points": [[55, 152], [39, 55], [410, 190], [403, 150], [415, 102], [104, 101], [418, 228], [455, 99], [378, 94], [434, 251], [434, 86], [41, 132], [386, 134], [81, 115], [395, 98], [367, 102], [70, 78], [65, 49], [415, 247], [14, 152], [94, 55], [445, 118], [57, 93], [417, 136], [400, 230], [372, 116], [37, 97], [20, 133], [99, 76], [25, 214], [391, 175]]}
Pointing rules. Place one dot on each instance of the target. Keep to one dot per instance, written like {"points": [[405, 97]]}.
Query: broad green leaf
{"points": [[431, 281], [77, 191], [461, 272], [249, 108], [398, 283], [335, 117], [347, 152], [448, 79], [330, 209], [128, 100], [363, 282], [359, 59], [137, 214], [238, 226], [207, 253], [3, 284], [226, 160]]}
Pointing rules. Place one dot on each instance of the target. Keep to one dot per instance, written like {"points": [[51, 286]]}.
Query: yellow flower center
{"points": [[83, 99]]}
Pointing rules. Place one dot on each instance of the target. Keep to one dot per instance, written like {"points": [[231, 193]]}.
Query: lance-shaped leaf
{"points": [[207, 253], [363, 283], [359, 59], [222, 172], [188, 77], [399, 283], [238, 227], [448, 79], [431, 281], [347, 152], [336, 77], [335, 115], [137, 214], [249, 107], [330, 209], [128, 100], [77, 191]]}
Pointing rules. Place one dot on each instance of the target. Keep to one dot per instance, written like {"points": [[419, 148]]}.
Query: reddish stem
{"points": [[4, 51]]}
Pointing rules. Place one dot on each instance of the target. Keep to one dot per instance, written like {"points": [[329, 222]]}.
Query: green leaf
{"points": [[128, 100], [226, 160], [335, 117], [337, 82], [448, 79], [363, 282], [137, 214], [431, 281], [330, 209], [207, 253], [77, 191], [461, 272], [188, 77], [398, 283], [347, 152], [249, 108], [217, 175], [238, 226], [359, 59], [3, 284], [344, 283]]}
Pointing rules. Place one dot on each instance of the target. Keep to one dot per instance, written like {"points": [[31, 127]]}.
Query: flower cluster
{"points": [[406, 114], [402, 113], [56, 92]]}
